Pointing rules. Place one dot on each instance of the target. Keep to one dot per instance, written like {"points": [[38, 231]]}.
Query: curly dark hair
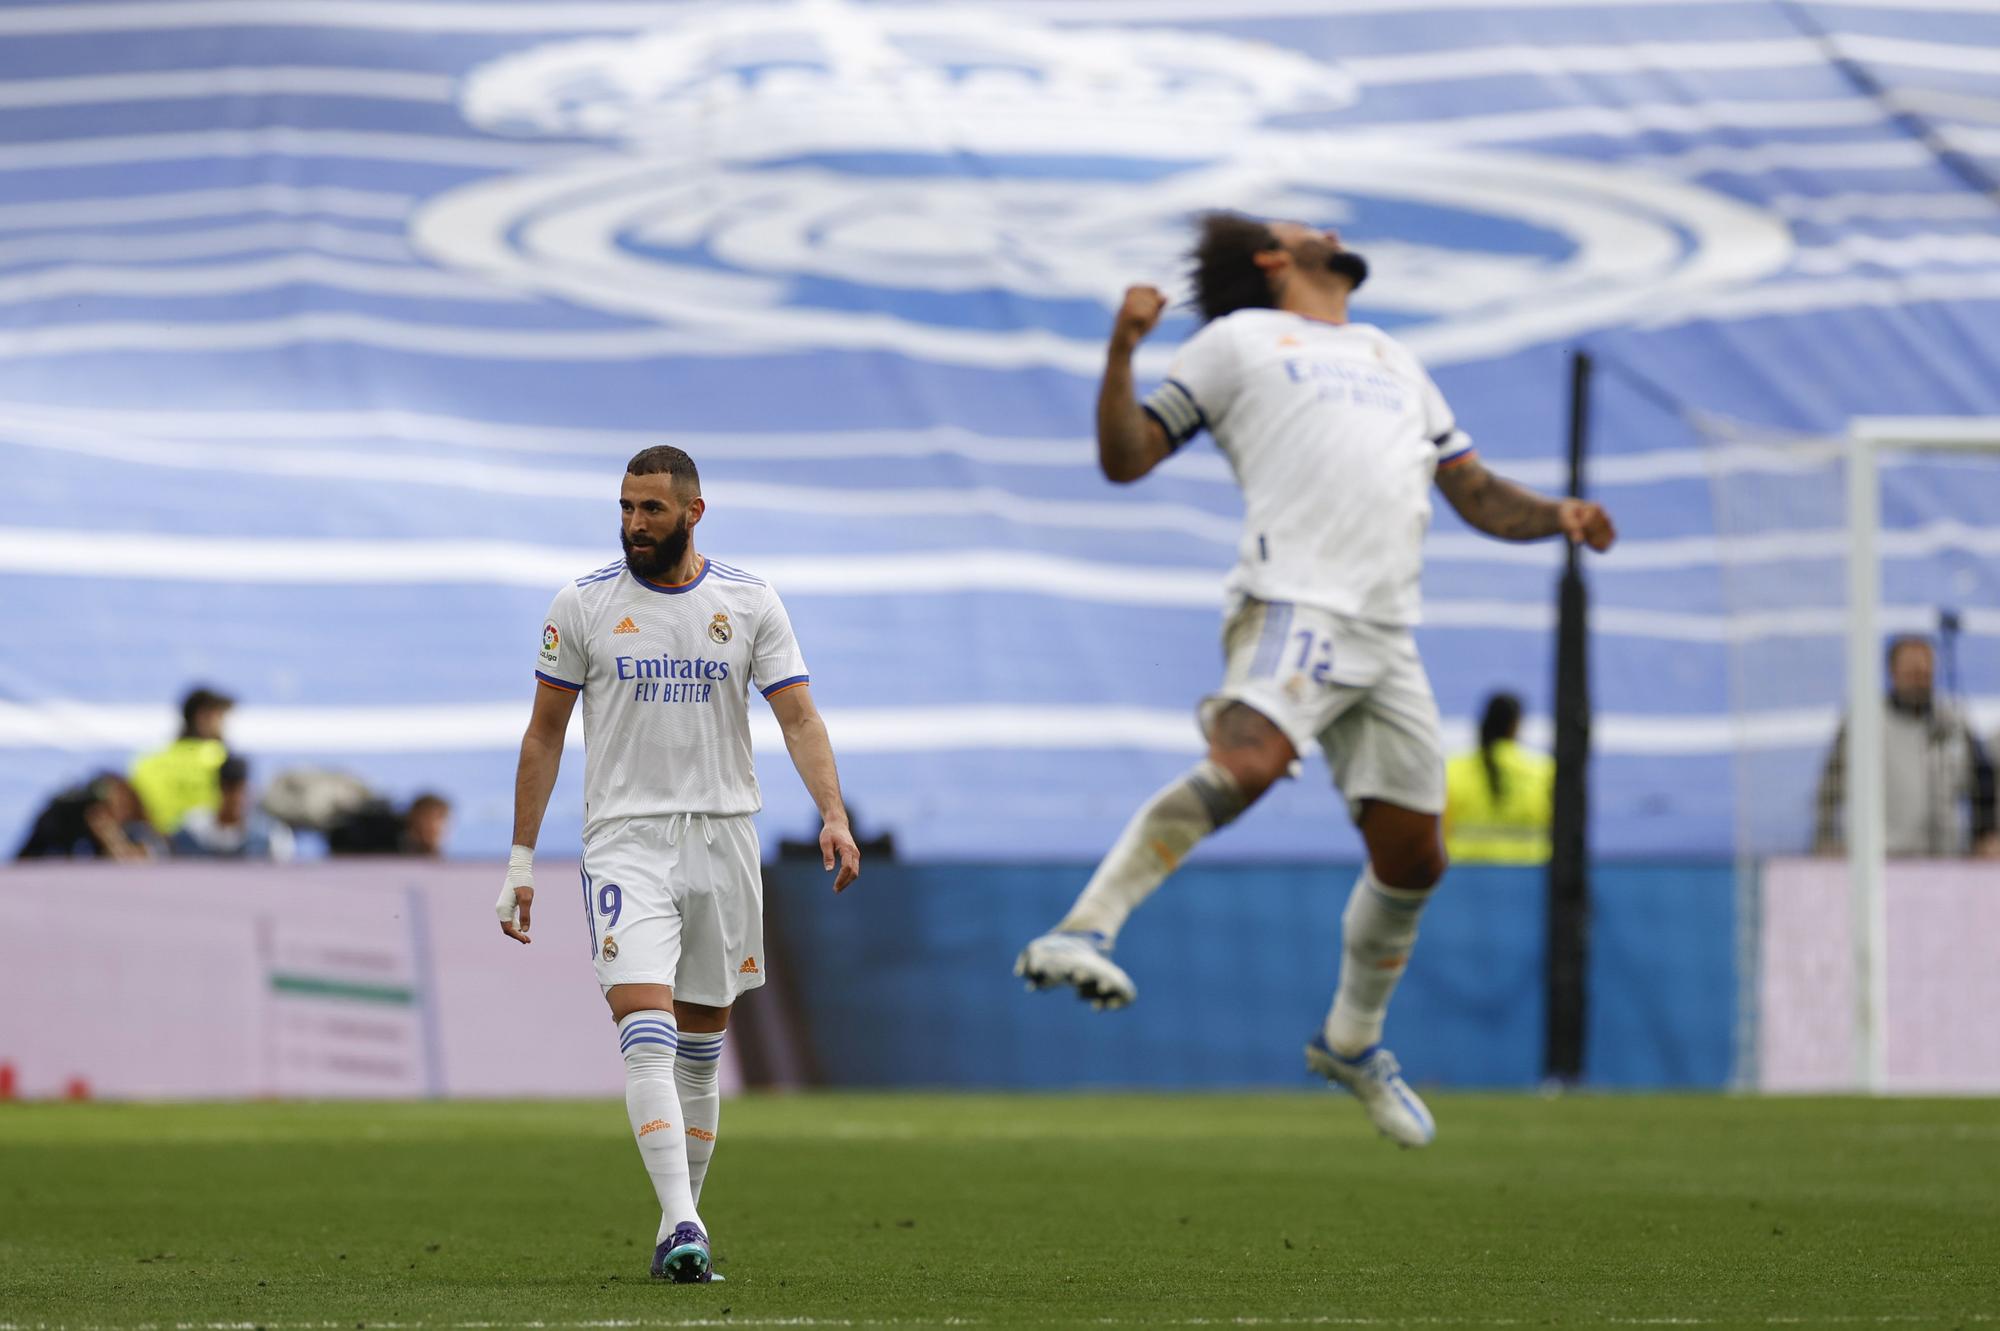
{"points": [[1225, 272]]}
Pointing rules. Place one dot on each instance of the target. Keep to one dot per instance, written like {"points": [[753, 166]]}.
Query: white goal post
{"points": [[1869, 437]]}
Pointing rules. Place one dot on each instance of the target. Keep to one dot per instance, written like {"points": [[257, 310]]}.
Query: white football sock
{"points": [[695, 1075], [1172, 823], [649, 1040], [1377, 931]]}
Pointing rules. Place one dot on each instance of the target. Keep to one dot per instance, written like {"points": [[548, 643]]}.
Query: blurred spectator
{"points": [[314, 798], [877, 846], [234, 829], [182, 776], [100, 819], [426, 825], [1499, 798], [1937, 778], [376, 828]]}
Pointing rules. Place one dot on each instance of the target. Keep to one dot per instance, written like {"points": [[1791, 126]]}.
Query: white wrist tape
{"points": [[520, 873]]}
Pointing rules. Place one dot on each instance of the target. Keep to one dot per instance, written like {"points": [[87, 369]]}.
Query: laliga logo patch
{"points": [[718, 628], [550, 638], [795, 177]]}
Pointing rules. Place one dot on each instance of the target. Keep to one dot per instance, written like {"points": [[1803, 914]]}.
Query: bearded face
{"points": [[652, 557], [1320, 253]]}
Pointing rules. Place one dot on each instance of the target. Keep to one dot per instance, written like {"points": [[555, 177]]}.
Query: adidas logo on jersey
{"points": [[749, 966], [626, 625]]}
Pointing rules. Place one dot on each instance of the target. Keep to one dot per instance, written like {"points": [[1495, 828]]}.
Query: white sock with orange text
{"points": [[649, 1041], [696, 1071]]}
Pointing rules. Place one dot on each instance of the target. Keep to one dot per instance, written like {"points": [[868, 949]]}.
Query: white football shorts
{"points": [[1356, 688], [677, 900]]}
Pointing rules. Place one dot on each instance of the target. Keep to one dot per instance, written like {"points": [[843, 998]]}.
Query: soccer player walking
{"points": [[1335, 434], [664, 646]]}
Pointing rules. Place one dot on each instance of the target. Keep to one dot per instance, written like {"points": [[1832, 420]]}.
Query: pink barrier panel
{"points": [[378, 978], [1944, 977]]}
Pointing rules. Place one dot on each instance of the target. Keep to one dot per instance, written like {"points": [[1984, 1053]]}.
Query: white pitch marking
{"points": [[1325, 1319]]}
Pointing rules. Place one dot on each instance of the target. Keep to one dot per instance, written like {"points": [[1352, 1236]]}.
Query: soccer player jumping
{"points": [[1335, 434], [664, 646]]}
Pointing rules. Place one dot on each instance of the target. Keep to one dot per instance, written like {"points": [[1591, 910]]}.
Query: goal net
{"points": [[1865, 926]]}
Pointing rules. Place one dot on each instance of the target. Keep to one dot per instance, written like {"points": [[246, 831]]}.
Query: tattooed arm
{"points": [[1501, 508], [1130, 443]]}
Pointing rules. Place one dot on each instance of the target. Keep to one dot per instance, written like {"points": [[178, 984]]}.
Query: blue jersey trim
{"points": [[735, 572], [784, 684], [1454, 445], [687, 586], [611, 570], [555, 683]]}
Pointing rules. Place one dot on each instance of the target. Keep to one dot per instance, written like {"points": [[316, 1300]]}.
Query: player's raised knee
{"points": [[1414, 867], [1251, 750], [1429, 866]]}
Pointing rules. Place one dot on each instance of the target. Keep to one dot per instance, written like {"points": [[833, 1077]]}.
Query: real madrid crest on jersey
{"points": [[718, 628], [610, 948]]}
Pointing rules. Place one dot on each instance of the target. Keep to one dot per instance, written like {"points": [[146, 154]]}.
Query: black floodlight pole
{"points": [[1569, 861]]}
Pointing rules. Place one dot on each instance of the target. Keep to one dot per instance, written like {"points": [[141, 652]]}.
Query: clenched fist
{"points": [[1138, 316], [1586, 523]]}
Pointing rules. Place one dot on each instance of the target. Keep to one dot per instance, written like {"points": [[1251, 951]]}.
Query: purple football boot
{"points": [[683, 1258]]}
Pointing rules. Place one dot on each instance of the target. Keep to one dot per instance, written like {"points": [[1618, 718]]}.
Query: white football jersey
{"points": [[665, 674], [1335, 433]]}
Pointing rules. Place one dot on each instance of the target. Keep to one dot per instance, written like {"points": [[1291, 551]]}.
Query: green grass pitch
{"points": [[912, 1210]]}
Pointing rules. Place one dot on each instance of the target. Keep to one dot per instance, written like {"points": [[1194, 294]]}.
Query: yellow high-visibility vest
{"points": [[1510, 829], [184, 776]]}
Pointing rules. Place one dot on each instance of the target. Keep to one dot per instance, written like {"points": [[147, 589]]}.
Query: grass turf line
{"points": [[1011, 1210]]}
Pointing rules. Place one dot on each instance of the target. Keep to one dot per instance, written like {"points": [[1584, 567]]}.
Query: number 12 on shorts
{"points": [[1315, 656]]}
